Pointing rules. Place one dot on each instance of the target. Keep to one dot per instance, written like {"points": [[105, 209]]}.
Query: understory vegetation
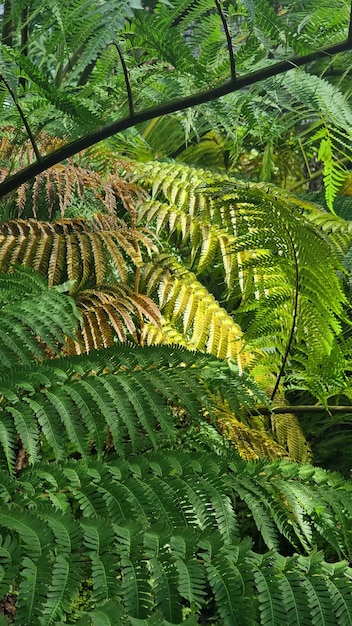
{"points": [[175, 299]]}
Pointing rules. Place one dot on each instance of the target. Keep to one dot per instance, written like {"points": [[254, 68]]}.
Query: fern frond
{"points": [[105, 524], [334, 174], [288, 433], [33, 589], [107, 312], [75, 189], [189, 307], [251, 442], [39, 323], [118, 395], [72, 249], [275, 287], [334, 116]]}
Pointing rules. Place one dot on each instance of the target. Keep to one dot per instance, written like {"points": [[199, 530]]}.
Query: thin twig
{"points": [[23, 118], [304, 156], [70, 149], [305, 181], [229, 41], [127, 80], [304, 408]]}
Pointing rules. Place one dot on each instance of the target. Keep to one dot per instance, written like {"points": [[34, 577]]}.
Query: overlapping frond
{"points": [[109, 312], [275, 438], [35, 320], [78, 250], [273, 270], [119, 399], [77, 188], [66, 39], [330, 129], [121, 500], [189, 308], [159, 534]]}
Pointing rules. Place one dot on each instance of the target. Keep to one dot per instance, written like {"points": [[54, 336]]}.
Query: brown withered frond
{"points": [[109, 312], [16, 148], [59, 186], [78, 250]]}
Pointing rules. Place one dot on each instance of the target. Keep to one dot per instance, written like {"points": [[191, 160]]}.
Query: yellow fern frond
{"points": [[288, 433], [75, 249], [193, 313], [164, 334], [251, 443], [206, 234]]}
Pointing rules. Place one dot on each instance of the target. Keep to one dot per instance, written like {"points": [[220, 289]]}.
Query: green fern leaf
{"points": [[33, 590]]}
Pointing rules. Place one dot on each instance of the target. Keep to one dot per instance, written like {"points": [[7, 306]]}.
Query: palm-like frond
{"points": [[263, 279], [118, 399], [264, 259], [96, 520]]}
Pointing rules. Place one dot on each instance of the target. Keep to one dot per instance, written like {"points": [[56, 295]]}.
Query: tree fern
{"points": [[271, 276], [208, 218], [160, 533], [186, 556], [122, 502]]}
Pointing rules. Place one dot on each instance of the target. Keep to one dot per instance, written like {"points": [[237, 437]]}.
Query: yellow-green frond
{"points": [[193, 312], [288, 432]]}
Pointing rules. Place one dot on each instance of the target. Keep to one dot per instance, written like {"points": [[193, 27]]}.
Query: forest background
{"points": [[175, 289]]}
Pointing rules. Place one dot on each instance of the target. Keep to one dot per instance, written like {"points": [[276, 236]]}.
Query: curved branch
{"points": [[70, 149], [304, 408], [228, 39]]}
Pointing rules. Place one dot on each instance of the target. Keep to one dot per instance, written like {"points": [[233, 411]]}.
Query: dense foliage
{"points": [[175, 323]]}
